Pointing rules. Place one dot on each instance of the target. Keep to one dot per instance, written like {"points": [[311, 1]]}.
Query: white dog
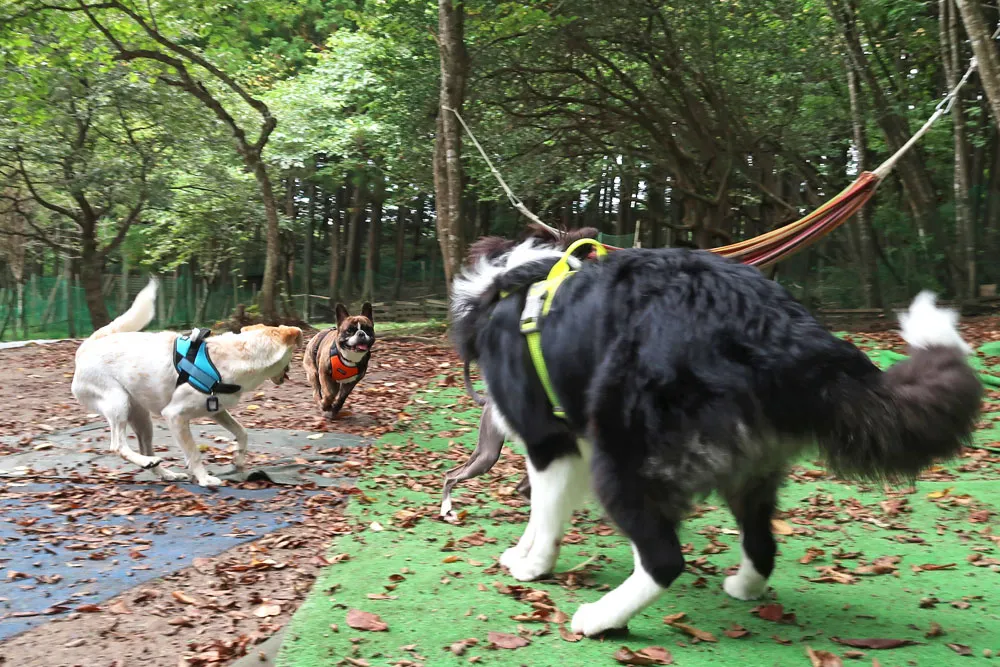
{"points": [[126, 375]]}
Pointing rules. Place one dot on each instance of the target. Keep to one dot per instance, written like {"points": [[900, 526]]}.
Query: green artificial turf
{"points": [[433, 589]]}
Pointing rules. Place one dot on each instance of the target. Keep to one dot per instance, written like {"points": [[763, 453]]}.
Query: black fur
{"points": [[691, 373]]}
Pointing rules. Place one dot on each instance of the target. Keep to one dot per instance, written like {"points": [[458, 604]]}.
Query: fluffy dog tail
{"points": [[135, 318], [892, 425]]}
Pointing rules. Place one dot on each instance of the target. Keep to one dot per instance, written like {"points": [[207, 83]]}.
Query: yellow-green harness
{"points": [[536, 307]]}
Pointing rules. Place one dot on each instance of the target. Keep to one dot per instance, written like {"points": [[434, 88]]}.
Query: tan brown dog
{"points": [[336, 359]]}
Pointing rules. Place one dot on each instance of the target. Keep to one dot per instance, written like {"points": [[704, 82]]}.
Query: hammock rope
{"points": [[778, 244]]}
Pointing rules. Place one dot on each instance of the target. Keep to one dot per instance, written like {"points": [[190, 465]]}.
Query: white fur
{"points": [[555, 493], [127, 375], [926, 325], [747, 583], [473, 282], [617, 607]]}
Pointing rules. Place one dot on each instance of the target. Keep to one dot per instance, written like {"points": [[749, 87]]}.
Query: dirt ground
{"points": [[221, 607]]}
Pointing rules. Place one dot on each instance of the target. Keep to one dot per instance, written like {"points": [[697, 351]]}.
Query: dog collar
{"points": [[536, 307], [195, 367]]}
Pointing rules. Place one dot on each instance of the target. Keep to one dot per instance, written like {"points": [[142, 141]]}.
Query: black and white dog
{"points": [[683, 373]]}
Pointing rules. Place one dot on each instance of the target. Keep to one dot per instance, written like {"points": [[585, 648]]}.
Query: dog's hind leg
{"points": [[138, 419], [753, 506], [558, 487], [656, 549], [114, 405], [485, 456], [228, 422]]}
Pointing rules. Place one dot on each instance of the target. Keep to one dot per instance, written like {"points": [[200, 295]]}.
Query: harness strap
{"points": [[537, 305], [188, 369]]}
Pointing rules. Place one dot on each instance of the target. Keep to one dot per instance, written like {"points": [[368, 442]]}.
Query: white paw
{"points": [[513, 555], [172, 476], [530, 568], [593, 619], [209, 480], [744, 588], [240, 461]]}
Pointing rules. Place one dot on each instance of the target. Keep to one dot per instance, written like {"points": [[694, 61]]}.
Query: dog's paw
{"points": [[513, 555], [529, 568], [172, 476], [744, 587], [594, 618], [210, 481]]}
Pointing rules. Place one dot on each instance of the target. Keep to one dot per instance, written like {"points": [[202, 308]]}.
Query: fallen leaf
{"points": [[736, 631], [823, 658], [932, 567], [119, 607], [812, 553], [653, 655], [363, 620], [184, 598], [781, 527], [569, 636], [934, 495], [267, 610], [700, 635], [88, 608], [960, 649], [876, 644], [773, 612], [504, 640], [673, 618], [459, 647], [935, 631], [382, 596]]}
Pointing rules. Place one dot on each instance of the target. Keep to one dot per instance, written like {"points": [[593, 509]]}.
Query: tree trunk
{"points": [[368, 291], [397, 287], [91, 276], [871, 290], [357, 212], [307, 250], [267, 298], [448, 142], [334, 238], [951, 51], [985, 50]]}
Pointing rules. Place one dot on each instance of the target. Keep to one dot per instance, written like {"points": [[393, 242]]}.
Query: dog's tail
{"points": [[892, 425], [136, 318]]}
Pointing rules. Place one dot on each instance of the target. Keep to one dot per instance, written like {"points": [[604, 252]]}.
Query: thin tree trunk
{"points": [[397, 287], [334, 238], [357, 212], [308, 251], [985, 51], [951, 50], [368, 291], [448, 142], [267, 298], [870, 287], [91, 275]]}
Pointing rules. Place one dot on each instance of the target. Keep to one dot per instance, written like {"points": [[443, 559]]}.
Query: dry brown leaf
{"points": [[184, 598], [88, 608], [569, 636], [652, 655], [267, 610], [960, 649], [823, 658], [781, 527], [935, 630], [673, 618], [700, 635], [508, 641], [119, 607], [363, 620], [812, 553], [736, 631]]}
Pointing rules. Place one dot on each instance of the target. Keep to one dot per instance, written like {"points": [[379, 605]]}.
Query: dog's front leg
{"points": [[345, 390], [329, 389], [180, 427], [228, 422]]}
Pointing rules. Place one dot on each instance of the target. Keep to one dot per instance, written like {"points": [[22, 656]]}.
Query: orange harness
{"points": [[341, 372]]}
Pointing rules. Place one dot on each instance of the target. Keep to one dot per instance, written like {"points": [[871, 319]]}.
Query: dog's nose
{"points": [[363, 335]]}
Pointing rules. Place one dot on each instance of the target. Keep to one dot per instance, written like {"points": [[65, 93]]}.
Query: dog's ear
{"points": [[366, 310], [290, 336], [342, 313]]}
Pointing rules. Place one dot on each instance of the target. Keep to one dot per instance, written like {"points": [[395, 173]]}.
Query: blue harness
{"points": [[194, 366]]}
